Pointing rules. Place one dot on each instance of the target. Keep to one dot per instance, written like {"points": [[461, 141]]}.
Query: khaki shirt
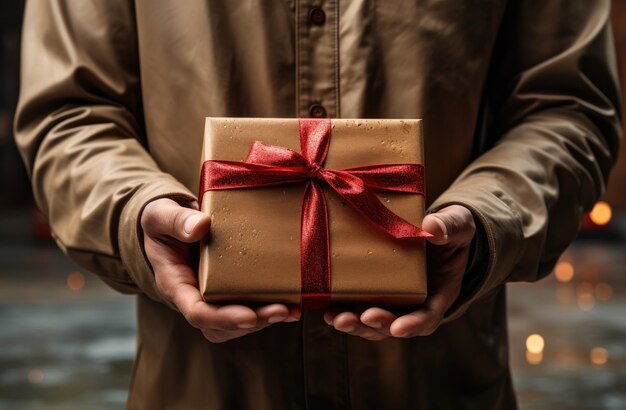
{"points": [[520, 106]]}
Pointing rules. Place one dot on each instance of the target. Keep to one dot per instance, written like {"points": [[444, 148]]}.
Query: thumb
{"points": [[164, 217], [453, 224]]}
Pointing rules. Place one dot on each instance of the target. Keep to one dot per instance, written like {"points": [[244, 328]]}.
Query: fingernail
{"points": [[406, 334], [245, 325], [291, 319], [191, 223], [442, 225], [376, 325], [349, 329], [274, 319]]}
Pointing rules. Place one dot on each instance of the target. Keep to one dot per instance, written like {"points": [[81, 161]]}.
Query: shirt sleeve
{"points": [[79, 129], [554, 97]]}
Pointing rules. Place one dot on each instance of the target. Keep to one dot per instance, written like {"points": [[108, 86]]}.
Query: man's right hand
{"points": [[169, 229]]}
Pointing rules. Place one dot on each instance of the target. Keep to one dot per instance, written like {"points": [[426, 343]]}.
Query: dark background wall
{"points": [[15, 188]]}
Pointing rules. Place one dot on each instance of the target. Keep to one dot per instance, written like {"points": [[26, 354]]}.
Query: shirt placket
{"points": [[317, 58], [324, 350]]}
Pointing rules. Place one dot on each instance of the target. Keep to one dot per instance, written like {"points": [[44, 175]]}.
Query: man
{"points": [[520, 106]]}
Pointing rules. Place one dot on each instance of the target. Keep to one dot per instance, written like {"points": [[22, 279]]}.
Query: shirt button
{"points": [[317, 16], [317, 111]]}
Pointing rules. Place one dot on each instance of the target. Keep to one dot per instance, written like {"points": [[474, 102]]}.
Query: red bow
{"points": [[268, 165]]}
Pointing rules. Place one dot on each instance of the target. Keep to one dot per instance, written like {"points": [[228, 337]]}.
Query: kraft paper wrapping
{"points": [[252, 254]]}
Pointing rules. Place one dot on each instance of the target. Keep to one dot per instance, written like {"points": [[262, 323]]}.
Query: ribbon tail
{"points": [[314, 250], [392, 178], [262, 153], [354, 190]]}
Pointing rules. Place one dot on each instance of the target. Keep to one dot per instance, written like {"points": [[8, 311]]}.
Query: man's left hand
{"points": [[453, 229]]}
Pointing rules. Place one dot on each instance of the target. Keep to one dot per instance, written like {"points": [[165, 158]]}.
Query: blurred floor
{"points": [[582, 322], [68, 341]]}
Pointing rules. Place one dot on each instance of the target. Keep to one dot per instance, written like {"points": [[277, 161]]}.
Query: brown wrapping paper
{"points": [[253, 252]]}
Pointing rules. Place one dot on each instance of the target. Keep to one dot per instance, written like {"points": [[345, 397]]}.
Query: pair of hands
{"points": [[169, 229]]}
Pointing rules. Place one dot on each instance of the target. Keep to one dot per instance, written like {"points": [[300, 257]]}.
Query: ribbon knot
{"points": [[268, 165], [313, 171]]}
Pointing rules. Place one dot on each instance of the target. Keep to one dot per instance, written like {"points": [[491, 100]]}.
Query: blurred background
{"points": [[68, 341]]}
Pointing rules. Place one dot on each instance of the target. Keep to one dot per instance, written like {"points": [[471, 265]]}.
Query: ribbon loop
{"points": [[314, 139], [261, 153], [269, 165]]}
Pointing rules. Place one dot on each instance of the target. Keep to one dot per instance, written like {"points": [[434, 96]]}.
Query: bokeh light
{"points": [[586, 301], [535, 343], [564, 271], [534, 358], [599, 356], [601, 213], [35, 376], [604, 291], [75, 280]]}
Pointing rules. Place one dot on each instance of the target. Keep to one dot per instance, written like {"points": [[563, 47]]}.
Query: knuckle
{"points": [[149, 216], [159, 216], [454, 224], [177, 221], [430, 327], [194, 318], [463, 219]]}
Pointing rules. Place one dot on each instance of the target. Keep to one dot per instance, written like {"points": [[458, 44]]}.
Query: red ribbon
{"points": [[269, 165]]}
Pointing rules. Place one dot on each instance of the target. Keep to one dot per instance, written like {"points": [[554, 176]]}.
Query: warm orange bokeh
{"points": [[564, 271], [599, 356], [75, 280], [601, 213], [535, 343]]}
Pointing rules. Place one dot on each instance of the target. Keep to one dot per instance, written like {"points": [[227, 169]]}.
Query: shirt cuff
{"points": [[498, 238], [131, 246]]}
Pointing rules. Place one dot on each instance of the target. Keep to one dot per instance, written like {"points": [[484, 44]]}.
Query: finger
{"points": [[348, 322], [203, 315], [379, 319], [270, 314], [177, 283], [423, 321], [164, 217], [453, 224], [220, 336], [266, 315], [295, 313], [330, 314]]}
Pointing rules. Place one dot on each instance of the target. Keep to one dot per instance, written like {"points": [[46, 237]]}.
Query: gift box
{"points": [[313, 212]]}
